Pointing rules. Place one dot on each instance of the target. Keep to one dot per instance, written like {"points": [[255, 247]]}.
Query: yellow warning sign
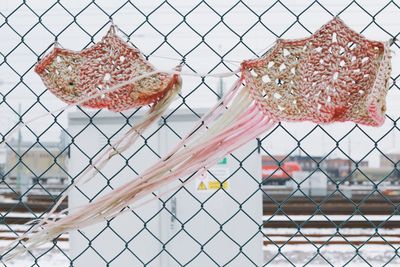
{"points": [[214, 185], [216, 178], [202, 186]]}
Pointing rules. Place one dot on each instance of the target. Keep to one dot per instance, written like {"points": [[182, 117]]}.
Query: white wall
{"points": [[163, 225]]}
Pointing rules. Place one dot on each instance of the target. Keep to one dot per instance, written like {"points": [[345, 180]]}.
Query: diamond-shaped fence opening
{"points": [[302, 194]]}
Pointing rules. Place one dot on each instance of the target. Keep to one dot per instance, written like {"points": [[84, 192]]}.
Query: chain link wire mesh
{"points": [[210, 37]]}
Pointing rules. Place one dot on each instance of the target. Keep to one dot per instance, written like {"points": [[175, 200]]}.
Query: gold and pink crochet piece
{"points": [[73, 76], [110, 74], [334, 75]]}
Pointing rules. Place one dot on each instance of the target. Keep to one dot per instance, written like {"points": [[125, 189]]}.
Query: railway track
{"points": [[293, 223], [335, 215], [358, 204], [330, 242]]}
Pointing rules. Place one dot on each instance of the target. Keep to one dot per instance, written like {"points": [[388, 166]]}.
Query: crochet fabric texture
{"points": [[73, 76], [335, 74]]}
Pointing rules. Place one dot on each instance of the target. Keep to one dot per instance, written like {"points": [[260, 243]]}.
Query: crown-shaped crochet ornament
{"points": [[73, 76], [334, 75], [114, 75]]}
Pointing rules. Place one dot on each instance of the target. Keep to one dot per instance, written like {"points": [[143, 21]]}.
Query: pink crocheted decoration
{"points": [[72, 76], [335, 74]]}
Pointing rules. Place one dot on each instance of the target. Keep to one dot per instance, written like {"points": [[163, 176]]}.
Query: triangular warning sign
{"points": [[202, 186]]}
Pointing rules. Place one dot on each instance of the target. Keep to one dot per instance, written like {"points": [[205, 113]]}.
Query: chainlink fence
{"points": [[353, 221]]}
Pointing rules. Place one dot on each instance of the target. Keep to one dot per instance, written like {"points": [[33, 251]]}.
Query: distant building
{"points": [[389, 159], [308, 164], [277, 170], [45, 163], [2, 159], [390, 165], [342, 168], [366, 175]]}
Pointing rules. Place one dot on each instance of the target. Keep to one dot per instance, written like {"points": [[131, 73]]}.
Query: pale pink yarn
{"points": [[335, 74], [73, 76]]}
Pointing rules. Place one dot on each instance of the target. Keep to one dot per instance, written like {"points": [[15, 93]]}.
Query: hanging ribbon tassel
{"points": [[233, 121], [122, 144]]}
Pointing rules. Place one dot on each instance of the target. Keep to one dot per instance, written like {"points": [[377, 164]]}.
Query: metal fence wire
{"points": [[357, 213]]}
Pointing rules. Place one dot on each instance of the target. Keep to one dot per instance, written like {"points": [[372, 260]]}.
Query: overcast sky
{"points": [[184, 41]]}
